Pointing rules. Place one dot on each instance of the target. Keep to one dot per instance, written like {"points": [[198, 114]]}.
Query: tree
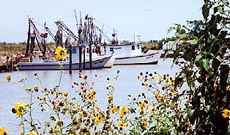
{"points": [[204, 44]]}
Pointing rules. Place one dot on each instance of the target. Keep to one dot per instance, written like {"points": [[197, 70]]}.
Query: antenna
{"points": [[75, 15], [80, 19], [45, 24], [134, 37]]}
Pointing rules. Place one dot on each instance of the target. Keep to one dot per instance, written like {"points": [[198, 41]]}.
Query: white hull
{"points": [[151, 58], [110, 63], [96, 64]]}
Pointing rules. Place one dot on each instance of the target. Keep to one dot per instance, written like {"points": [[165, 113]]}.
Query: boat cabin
{"points": [[131, 49]]}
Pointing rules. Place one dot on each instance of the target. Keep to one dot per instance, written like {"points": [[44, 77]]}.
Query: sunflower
{"points": [[123, 111], [32, 133], [99, 118], [19, 109], [60, 54], [226, 113], [65, 94], [110, 98], [91, 95], [115, 109], [3, 131], [143, 105], [144, 123], [122, 124]]}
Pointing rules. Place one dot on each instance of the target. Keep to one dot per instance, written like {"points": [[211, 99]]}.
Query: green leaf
{"points": [[181, 36], [221, 9], [205, 11], [194, 41], [205, 64]]}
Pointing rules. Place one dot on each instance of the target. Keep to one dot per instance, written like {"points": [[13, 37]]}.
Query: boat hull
{"points": [[138, 60], [96, 64]]}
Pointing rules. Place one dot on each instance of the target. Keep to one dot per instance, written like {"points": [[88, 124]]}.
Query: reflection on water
{"points": [[127, 84]]}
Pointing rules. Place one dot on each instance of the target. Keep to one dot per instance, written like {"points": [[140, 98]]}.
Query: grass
{"points": [[9, 49]]}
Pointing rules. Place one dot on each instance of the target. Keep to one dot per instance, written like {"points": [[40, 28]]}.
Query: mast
{"points": [[80, 30], [36, 36], [66, 29], [84, 30], [28, 40], [134, 37], [75, 16], [49, 31]]}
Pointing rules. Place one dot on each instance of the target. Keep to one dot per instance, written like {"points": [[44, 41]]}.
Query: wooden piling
{"points": [[80, 57], [84, 58], [90, 55], [90, 49], [70, 59]]}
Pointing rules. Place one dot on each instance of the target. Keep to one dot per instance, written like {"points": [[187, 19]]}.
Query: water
{"points": [[127, 84]]}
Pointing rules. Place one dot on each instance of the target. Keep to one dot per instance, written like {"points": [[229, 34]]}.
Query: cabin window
{"points": [[133, 47], [111, 50]]}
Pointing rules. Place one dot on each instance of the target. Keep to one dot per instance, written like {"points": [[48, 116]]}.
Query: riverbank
{"points": [[11, 53], [10, 49]]}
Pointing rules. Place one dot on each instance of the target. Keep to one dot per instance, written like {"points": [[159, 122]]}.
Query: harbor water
{"points": [[127, 84]]}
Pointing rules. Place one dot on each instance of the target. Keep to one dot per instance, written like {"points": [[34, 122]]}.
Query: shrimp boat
{"points": [[143, 59], [97, 63], [131, 53], [36, 48]]}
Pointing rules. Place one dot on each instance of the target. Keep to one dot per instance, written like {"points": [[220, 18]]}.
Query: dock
{"points": [[9, 63]]}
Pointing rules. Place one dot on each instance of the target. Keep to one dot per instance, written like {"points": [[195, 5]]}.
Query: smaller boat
{"points": [[149, 58], [97, 63], [131, 54]]}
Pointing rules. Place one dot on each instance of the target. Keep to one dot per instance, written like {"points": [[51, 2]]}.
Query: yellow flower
{"points": [[157, 78], [170, 82], [123, 111], [65, 94], [8, 78], [32, 133], [84, 131], [159, 97], [122, 124], [143, 105], [226, 113], [81, 114], [60, 54], [3, 131], [115, 109], [91, 95], [19, 109], [110, 98], [144, 123], [99, 118], [174, 93]]}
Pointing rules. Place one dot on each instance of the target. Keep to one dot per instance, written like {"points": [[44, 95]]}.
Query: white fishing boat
{"points": [[97, 63], [131, 54], [81, 58]]}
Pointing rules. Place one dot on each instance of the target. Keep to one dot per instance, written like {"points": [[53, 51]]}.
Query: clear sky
{"points": [[148, 18]]}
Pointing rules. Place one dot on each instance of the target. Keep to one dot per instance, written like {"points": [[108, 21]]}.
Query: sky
{"points": [[148, 18]]}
